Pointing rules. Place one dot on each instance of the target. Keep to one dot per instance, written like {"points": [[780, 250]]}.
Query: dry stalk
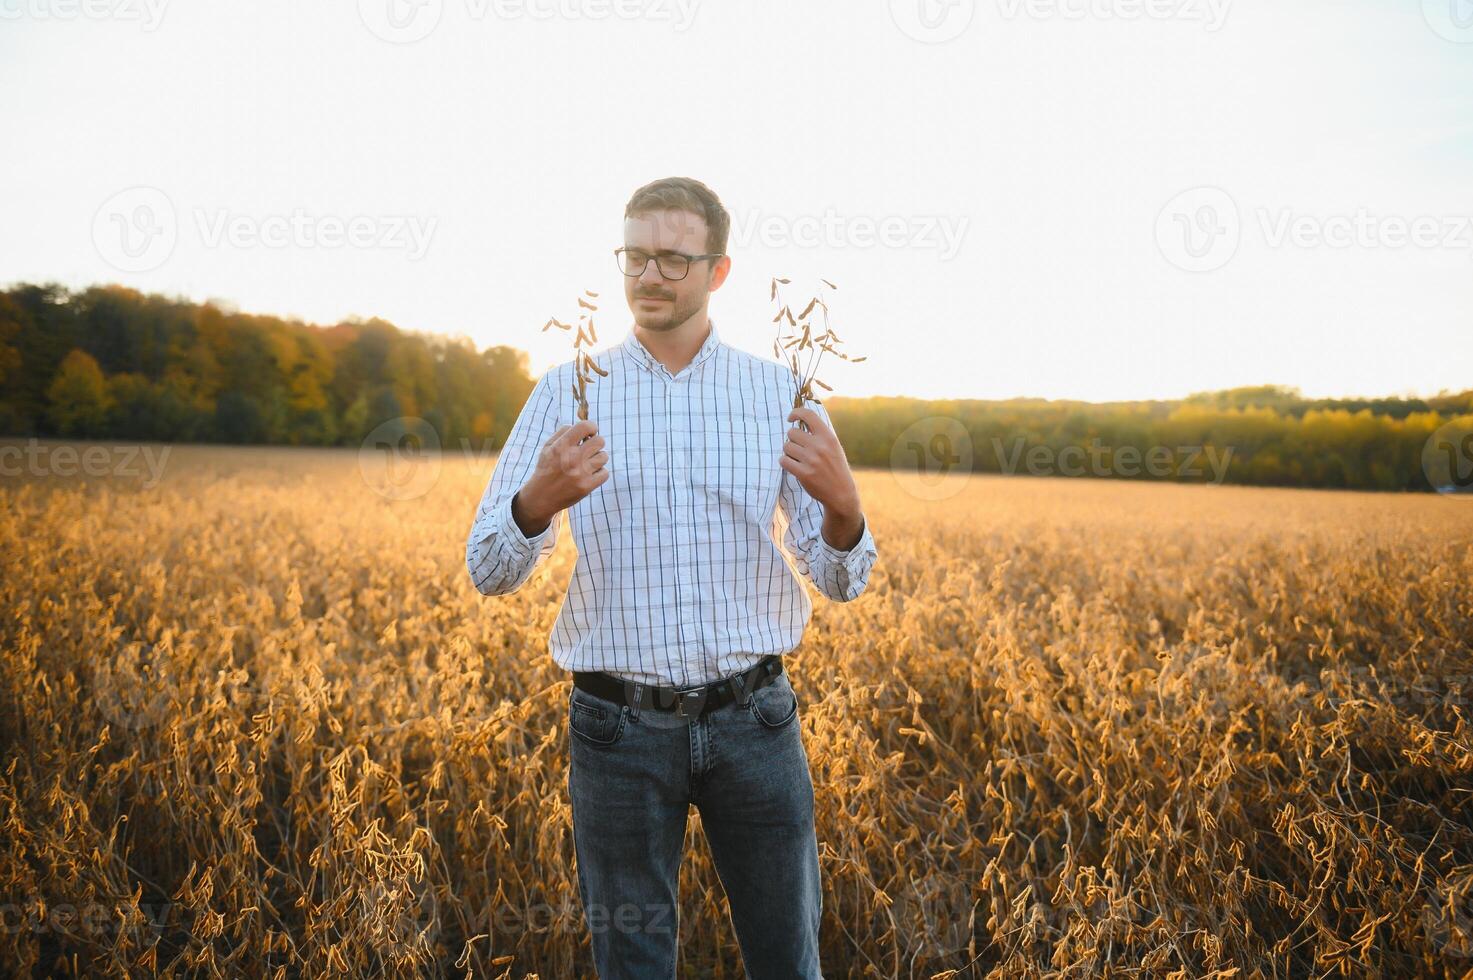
{"points": [[584, 363], [789, 346]]}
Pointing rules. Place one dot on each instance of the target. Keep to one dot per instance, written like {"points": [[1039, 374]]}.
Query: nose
{"points": [[651, 274]]}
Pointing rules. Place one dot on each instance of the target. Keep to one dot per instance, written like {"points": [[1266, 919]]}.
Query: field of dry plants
{"points": [[257, 722]]}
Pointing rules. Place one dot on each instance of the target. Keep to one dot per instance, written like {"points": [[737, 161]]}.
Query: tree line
{"points": [[1262, 436], [113, 363]]}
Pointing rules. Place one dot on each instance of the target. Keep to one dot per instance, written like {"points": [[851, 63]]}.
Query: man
{"points": [[681, 603]]}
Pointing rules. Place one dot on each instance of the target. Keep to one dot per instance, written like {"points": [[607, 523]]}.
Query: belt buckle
{"points": [[680, 701]]}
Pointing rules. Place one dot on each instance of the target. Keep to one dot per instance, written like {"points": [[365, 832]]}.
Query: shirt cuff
{"points": [[851, 557], [512, 534]]}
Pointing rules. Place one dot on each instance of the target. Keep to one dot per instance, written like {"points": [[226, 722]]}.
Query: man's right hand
{"points": [[571, 465]]}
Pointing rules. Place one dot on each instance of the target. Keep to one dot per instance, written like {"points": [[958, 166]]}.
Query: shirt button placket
{"points": [[672, 466], [684, 516]]}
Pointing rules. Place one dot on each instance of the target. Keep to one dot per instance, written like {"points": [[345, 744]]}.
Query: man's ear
{"points": [[719, 272]]}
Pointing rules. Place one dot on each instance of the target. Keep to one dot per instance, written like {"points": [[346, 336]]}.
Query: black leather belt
{"points": [[690, 702]]}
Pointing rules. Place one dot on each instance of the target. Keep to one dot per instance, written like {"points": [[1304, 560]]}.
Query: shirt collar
{"points": [[641, 354]]}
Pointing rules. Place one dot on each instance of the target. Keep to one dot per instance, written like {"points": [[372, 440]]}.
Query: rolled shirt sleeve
{"points": [[498, 556], [839, 575]]}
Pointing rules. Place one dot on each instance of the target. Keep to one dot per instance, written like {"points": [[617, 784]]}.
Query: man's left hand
{"points": [[818, 462]]}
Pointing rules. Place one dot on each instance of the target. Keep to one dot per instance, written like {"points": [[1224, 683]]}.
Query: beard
{"points": [[667, 317]]}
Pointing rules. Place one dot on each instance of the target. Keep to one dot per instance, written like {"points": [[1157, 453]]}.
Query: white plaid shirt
{"points": [[679, 580]]}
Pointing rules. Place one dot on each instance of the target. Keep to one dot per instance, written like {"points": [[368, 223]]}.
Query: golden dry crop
{"points": [[257, 722]]}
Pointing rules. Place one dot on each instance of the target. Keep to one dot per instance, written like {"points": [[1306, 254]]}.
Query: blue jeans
{"points": [[632, 778]]}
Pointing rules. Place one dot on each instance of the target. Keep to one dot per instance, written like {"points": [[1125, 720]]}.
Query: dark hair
{"points": [[684, 194]]}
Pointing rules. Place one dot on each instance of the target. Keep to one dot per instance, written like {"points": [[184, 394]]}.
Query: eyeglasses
{"points": [[672, 265]]}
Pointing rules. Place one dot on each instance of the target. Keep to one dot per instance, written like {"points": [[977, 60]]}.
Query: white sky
{"points": [[1050, 133]]}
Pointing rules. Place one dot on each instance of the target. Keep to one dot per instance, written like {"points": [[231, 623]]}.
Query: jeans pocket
{"points": [[595, 720], [774, 705]]}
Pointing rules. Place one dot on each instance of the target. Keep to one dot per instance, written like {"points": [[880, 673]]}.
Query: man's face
{"points": [[664, 304]]}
